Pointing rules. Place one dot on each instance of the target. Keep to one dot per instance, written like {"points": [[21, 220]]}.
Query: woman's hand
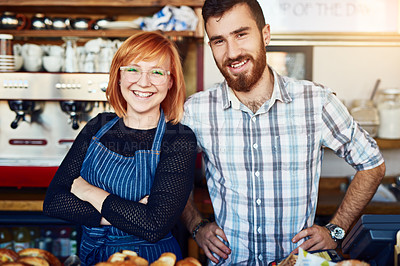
{"points": [[87, 192], [81, 188], [144, 200]]}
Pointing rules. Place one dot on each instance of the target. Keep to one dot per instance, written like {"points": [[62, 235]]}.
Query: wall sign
{"points": [[363, 16]]}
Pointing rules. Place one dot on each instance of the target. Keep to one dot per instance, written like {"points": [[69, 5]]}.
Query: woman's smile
{"points": [[142, 94]]}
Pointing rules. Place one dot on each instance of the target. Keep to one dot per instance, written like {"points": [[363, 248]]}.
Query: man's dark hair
{"points": [[216, 8]]}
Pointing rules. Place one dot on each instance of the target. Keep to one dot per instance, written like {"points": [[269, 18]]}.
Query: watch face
{"points": [[338, 233]]}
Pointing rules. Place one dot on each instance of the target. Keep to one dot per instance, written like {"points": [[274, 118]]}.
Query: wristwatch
{"points": [[337, 233], [202, 223]]}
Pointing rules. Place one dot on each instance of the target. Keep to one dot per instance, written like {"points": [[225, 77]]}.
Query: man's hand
{"points": [[207, 239], [319, 238]]}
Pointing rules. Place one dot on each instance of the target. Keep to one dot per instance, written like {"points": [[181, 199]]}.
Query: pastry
{"points": [[34, 261], [8, 255], [352, 263], [127, 256], [41, 253], [166, 259], [189, 261], [289, 261], [15, 264]]}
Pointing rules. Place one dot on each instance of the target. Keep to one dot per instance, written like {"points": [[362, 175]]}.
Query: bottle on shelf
{"points": [[61, 243], [46, 239], [22, 238], [73, 243], [6, 238], [35, 236]]}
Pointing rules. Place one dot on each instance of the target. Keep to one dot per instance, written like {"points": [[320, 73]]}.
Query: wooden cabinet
{"points": [[118, 9], [188, 42], [385, 144]]}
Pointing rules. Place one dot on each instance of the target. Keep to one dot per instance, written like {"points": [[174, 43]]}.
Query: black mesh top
{"points": [[171, 187]]}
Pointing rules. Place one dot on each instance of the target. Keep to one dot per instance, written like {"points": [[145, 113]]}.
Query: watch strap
{"points": [[202, 223], [331, 227]]}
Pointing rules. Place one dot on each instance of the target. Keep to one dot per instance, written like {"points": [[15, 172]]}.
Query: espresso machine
{"points": [[40, 116]]}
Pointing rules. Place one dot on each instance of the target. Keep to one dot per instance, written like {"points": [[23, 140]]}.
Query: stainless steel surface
{"points": [[45, 134], [53, 86]]}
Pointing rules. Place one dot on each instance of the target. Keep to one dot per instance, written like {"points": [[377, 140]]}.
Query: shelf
{"points": [[86, 33], [25, 199], [335, 39], [99, 9], [114, 3], [385, 144]]}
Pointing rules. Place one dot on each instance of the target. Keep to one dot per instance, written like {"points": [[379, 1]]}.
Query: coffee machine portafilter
{"points": [[25, 107], [75, 109]]}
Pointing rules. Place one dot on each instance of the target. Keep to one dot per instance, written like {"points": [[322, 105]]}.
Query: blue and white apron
{"points": [[130, 178]]}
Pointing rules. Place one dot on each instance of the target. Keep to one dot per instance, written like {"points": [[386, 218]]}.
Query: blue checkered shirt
{"points": [[263, 169]]}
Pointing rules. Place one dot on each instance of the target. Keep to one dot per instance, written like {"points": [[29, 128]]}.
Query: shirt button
{"points": [[254, 119], [255, 146], [257, 174], [258, 201], [260, 257], [259, 230]]}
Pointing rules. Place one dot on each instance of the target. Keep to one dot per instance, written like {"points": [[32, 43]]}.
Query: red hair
{"points": [[148, 46]]}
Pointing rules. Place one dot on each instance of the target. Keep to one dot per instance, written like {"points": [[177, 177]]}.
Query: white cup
{"points": [[103, 67], [18, 62], [31, 50], [33, 63], [56, 50], [17, 49], [52, 63]]}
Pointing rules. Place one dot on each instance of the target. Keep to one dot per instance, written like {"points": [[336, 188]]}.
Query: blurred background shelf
{"points": [[111, 33], [388, 143]]}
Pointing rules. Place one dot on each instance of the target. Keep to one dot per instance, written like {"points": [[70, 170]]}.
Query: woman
{"points": [[128, 175]]}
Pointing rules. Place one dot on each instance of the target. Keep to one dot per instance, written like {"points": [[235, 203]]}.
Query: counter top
{"points": [[330, 196], [24, 199]]}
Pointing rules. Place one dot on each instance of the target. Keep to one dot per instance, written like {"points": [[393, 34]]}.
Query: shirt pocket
{"points": [[296, 143]]}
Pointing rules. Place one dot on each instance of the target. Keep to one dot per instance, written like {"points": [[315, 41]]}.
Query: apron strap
{"points": [[106, 127], [160, 132]]}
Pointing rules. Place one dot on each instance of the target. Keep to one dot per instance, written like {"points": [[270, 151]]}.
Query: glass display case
{"points": [[292, 61]]}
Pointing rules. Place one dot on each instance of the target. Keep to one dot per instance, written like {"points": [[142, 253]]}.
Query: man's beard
{"points": [[243, 82]]}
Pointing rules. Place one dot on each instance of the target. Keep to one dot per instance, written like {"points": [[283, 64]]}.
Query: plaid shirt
{"points": [[263, 169]]}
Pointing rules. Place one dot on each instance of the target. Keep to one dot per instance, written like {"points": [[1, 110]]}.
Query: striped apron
{"points": [[130, 178]]}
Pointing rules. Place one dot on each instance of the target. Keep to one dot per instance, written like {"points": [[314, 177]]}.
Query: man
{"points": [[262, 136]]}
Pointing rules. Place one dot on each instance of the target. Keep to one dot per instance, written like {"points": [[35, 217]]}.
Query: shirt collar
{"points": [[280, 93]]}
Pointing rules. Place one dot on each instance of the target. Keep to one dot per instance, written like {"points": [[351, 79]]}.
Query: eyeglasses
{"points": [[157, 76]]}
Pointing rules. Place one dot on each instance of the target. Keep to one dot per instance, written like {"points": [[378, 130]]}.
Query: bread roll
{"points": [[35, 261], [166, 259], [124, 263], [352, 263], [139, 261], [289, 261], [189, 261], [117, 257], [8, 255], [127, 255], [41, 253], [15, 264]]}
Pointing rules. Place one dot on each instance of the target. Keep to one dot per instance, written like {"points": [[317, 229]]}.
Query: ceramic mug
{"points": [[33, 63], [53, 63], [31, 50]]}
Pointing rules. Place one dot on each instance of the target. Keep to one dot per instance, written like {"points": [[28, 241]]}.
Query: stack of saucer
{"points": [[7, 63]]}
